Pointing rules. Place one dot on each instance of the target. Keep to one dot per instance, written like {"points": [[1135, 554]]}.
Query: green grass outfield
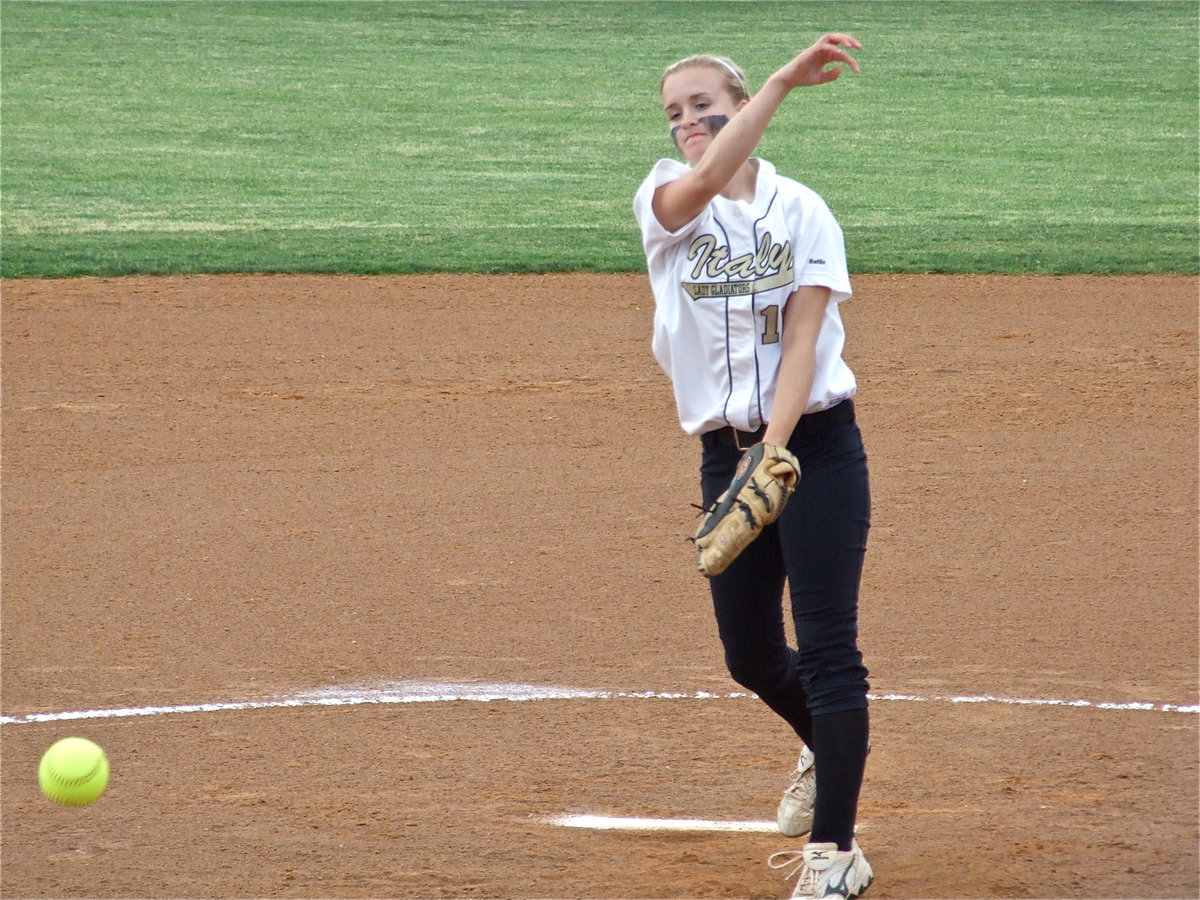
{"points": [[145, 137]]}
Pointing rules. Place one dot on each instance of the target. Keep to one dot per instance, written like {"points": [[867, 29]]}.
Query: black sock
{"points": [[840, 743]]}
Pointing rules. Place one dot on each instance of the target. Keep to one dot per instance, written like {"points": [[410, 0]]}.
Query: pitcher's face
{"points": [[697, 104]]}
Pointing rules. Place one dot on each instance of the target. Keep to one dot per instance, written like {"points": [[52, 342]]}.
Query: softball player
{"points": [[748, 269]]}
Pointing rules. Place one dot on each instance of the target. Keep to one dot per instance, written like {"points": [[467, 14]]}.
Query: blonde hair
{"points": [[735, 80]]}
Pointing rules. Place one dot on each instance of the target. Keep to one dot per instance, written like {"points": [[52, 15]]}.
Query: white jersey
{"points": [[720, 286]]}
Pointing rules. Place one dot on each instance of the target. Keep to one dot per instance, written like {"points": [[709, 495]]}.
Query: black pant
{"points": [[817, 548]]}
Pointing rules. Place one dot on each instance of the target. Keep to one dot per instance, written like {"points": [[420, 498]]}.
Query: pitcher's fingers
{"points": [[850, 61], [837, 54], [848, 39]]}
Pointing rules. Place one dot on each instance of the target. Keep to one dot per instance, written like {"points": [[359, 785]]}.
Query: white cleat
{"points": [[825, 871], [795, 815]]}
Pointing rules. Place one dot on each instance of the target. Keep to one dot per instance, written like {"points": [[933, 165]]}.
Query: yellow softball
{"points": [[73, 772]]}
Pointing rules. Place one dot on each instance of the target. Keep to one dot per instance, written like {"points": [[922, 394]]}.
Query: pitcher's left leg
{"points": [[824, 539]]}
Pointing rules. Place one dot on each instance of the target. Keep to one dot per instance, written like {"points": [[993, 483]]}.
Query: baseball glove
{"points": [[766, 476]]}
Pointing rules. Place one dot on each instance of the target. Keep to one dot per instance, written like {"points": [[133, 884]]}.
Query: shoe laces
{"points": [[802, 784], [799, 784], [806, 884]]}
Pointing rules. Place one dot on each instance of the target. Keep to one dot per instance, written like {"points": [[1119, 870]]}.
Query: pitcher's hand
{"points": [[809, 68]]}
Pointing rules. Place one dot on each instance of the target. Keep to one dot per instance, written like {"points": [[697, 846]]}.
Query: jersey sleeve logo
{"points": [[770, 266]]}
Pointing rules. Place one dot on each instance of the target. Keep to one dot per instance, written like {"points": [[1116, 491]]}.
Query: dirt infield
{"points": [[294, 494]]}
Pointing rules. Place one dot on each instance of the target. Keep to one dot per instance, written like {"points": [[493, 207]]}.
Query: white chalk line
{"points": [[630, 823], [636, 823], [448, 692]]}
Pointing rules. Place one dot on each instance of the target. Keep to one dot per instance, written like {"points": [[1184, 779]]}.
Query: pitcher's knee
{"points": [[838, 687], [762, 675]]}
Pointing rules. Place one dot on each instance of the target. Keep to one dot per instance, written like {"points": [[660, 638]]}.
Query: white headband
{"points": [[736, 74]]}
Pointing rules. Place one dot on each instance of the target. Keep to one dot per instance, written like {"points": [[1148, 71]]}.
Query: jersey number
{"points": [[771, 325]]}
